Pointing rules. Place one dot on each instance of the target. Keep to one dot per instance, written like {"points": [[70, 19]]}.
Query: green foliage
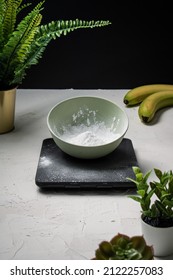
{"points": [[22, 44], [155, 198], [123, 247]]}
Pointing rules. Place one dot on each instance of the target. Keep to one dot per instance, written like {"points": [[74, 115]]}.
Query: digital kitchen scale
{"points": [[57, 170]]}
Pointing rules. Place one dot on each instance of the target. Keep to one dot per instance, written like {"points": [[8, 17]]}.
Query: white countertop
{"points": [[37, 225]]}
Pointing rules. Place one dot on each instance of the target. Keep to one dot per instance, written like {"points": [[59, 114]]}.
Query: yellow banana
{"points": [[138, 94], [151, 104]]}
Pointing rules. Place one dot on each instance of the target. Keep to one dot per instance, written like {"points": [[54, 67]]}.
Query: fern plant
{"points": [[22, 43]]}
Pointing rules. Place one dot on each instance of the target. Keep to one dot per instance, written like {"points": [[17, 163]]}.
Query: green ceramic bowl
{"points": [[87, 127]]}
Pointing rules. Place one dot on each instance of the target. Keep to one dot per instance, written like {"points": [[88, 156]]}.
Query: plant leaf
{"points": [[170, 188], [136, 198], [141, 193], [161, 208], [158, 173]]}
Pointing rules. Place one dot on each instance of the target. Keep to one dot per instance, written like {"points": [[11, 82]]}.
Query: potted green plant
{"points": [[22, 43], [156, 202], [123, 247]]}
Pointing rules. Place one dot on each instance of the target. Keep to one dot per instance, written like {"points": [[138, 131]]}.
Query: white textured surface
{"points": [[36, 225]]}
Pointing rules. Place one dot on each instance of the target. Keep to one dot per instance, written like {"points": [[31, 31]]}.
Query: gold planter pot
{"points": [[7, 110]]}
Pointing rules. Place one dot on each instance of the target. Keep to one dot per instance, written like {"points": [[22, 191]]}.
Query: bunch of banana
{"points": [[150, 98]]}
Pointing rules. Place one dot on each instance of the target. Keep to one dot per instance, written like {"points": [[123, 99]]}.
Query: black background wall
{"points": [[136, 49]]}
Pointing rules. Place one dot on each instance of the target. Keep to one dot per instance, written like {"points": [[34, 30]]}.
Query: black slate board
{"points": [[57, 170]]}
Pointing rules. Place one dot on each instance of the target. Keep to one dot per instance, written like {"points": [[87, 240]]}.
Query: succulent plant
{"points": [[123, 247]]}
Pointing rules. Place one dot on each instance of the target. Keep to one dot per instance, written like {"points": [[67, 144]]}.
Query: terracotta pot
{"points": [[161, 238], [7, 110]]}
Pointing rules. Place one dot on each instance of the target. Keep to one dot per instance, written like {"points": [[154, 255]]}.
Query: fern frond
{"points": [[23, 45], [33, 58], [57, 28], [8, 15], [20, 8], [45, 34], [25, 30], [9, 19], [18, 3], [2, 10]]}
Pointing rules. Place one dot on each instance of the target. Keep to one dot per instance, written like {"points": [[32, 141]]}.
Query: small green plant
{"points": [[123, 247], [155, 198], [22, 42]]}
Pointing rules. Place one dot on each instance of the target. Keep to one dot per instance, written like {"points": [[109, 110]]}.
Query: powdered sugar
{"points": [[88, 135], [86, 127]]}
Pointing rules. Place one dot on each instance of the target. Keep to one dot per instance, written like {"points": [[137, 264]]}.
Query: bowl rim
{"points": [[87, 96]]}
